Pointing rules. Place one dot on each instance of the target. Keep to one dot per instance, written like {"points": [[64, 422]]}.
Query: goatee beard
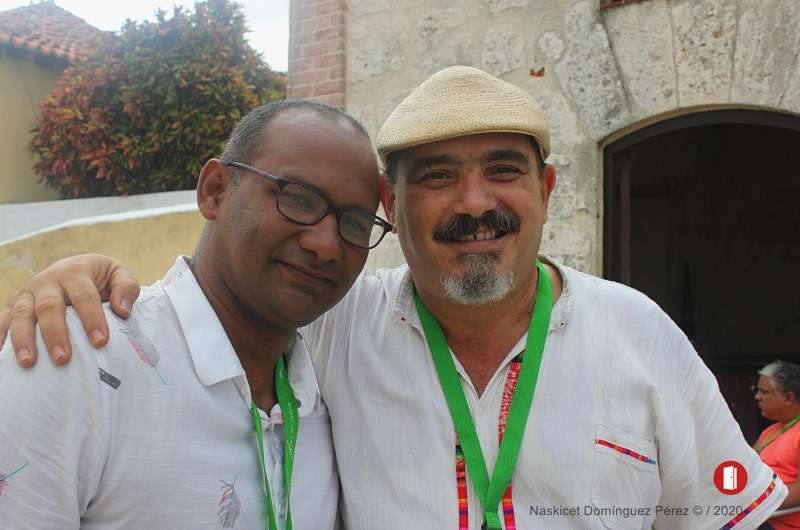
{"points": [[481, 283]]}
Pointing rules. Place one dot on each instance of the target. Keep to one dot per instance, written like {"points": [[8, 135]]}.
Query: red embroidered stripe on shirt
{"points": [[625, 451], [752, 506]]}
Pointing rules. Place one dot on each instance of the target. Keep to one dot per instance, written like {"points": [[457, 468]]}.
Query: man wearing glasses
{"points": [[481, 386], [203, 410]]}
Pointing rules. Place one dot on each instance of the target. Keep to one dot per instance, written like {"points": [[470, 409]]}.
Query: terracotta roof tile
{"points": [[48, 29]]}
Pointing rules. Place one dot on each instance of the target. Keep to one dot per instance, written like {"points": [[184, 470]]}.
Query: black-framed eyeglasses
{"points": [[304, 205]]}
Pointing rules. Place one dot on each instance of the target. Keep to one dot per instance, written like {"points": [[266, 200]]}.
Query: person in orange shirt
{"points": [[778, 397]]}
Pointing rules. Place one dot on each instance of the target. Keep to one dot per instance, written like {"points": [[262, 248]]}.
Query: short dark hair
{"points": [[392, 159], [785, 377], [247, 138]]}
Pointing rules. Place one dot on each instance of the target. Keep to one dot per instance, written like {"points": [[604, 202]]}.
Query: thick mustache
{"points": [[500, 220]]}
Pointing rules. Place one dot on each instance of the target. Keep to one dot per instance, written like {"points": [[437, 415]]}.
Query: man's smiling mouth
{"points": [[481, 235]]}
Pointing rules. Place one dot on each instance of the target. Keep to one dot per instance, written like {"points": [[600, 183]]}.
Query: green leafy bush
{"points": [[148, 107]]}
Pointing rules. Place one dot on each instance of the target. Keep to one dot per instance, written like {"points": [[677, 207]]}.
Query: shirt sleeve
{"points": [[52, 445], [697, 438]]}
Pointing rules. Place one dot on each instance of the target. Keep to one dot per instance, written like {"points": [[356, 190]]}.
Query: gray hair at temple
{"points": [[785, 377]]}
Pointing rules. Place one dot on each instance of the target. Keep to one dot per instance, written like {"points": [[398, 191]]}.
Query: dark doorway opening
{"points": [[702, 214]]}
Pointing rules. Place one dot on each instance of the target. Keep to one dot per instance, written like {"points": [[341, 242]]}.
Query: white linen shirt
{"points": [[154, 431], [615, 369]]}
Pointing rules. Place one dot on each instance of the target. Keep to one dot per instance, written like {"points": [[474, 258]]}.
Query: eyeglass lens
{"points": [[304, 205]]}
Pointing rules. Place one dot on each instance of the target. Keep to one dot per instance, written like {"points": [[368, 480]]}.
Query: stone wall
{"points": [[597, 73]]}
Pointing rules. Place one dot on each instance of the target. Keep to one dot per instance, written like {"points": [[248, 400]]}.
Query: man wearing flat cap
{"points": [[483, 385]]}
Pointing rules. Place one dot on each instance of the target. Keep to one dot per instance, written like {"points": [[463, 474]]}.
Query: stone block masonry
{"points": [[599, 68]]}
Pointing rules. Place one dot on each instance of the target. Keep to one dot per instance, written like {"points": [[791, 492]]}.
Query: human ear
{"points": [[388, 200], [548, 182], [212, 184]]}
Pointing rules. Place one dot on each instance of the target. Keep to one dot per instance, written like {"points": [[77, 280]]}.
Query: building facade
{"points": [[674, 123], [37, 42]]}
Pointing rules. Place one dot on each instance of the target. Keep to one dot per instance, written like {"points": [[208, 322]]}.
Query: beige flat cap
{"points": [[460, 101]]}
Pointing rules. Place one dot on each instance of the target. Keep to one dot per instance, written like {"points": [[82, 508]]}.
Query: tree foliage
{"points": [[149, 106]]}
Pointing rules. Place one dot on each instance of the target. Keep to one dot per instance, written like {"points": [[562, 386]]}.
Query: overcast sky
{"points": [[268, 20]]}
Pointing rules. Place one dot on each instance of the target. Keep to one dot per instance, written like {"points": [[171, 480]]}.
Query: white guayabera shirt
{"points": [[154, 430], [626, 430]]}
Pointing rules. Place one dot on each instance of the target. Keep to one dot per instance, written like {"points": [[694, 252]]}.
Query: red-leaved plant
{"points": [[149, 106]]}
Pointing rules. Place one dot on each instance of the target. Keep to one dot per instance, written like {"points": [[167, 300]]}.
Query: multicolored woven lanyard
{"points": [[461, 477], [760, 447], [291, 422], [488, 491]]}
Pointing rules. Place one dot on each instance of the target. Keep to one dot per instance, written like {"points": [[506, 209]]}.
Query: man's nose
{"points": [[323, 239], [476, 195]]}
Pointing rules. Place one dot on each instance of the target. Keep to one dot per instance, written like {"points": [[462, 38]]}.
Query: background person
{"points": [[778, 397]]}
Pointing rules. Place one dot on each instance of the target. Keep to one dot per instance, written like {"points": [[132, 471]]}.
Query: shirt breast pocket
{"points": [[625, 480]]}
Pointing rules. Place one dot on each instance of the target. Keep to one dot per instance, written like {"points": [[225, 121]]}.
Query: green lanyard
{"points": [[789, 425], [490, 492], [288, 405]]}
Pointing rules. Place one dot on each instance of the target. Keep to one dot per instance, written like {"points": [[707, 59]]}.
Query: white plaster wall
{"points": [[595, 73], [17, 220]]}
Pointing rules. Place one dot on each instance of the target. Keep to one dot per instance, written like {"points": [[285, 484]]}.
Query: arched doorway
{"points": [[702, 214]]}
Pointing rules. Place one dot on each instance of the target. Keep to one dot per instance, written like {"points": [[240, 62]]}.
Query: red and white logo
{"points": [[730, 477]]}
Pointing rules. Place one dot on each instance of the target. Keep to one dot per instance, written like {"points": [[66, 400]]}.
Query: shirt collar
{"points": [[302, 377], [211, 351], [402, 290], [562, 310], [405, 307]]}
